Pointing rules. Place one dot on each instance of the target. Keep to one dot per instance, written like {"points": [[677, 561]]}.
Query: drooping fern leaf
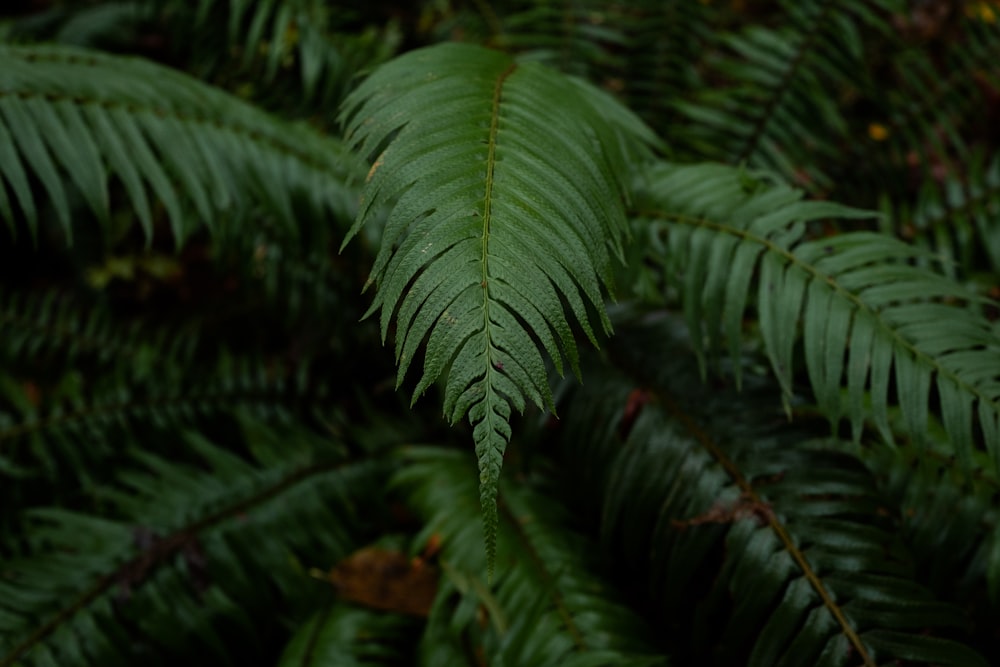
{"points": [[70, 115], [868, 315], [505, 184], [758, 543], [40, 327]]}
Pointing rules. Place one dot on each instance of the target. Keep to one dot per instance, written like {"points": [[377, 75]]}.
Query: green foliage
{"points": [[344, 635], [722, 227], [226, 528], [787, 453], [772, 111], [812, 558], [477, 252], [550, 606], [88, 115], [275, 37]]}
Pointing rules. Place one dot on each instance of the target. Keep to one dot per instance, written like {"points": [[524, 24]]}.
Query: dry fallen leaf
{"points": [[386, 580]]}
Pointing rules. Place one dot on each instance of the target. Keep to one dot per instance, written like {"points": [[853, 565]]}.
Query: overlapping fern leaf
{"points": [[869, 317], [772, 107], [87, 25], [551, 604], [645, 51], [504, 183], [760, 544], [70, 119], [185, 556]]}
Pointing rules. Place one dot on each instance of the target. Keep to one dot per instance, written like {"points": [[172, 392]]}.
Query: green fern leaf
{"points": [[63, 595], [767, 105], [80, 116], [868, 314], [505, 183], [766, 545]]}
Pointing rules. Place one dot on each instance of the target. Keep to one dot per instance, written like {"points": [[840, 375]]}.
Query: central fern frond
{"points": [[505, 184]]}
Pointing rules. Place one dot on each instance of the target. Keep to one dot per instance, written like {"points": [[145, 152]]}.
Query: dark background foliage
{"points": [[203, 456]]}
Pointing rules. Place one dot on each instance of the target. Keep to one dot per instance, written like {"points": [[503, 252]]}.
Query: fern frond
{"points": [[273, 38], [951, 522], [551, 605], [38, 327], [957, 217], [63, 433], [80, 116], [760, 544], [723, 227], [81, 24], [580, 38], [183, 558], [914, 112], [773, 109], [505, 184], [937, 108], [664, 44], [68, 373]]}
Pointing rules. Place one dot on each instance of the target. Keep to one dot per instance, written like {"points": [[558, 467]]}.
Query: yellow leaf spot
{"points": [[878, 132], [378, 163]]}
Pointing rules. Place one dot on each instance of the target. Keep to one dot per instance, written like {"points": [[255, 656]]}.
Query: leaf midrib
{"points": [[490, 513], [834, 284], [150, 559], [487, 221], [776, 525]]}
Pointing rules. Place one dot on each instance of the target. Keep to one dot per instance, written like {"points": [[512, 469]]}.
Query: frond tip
{"points": [[505, 183]]}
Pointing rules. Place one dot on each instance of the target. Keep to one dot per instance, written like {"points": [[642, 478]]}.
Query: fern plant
{"points": [[476, 253], [785, 446]]}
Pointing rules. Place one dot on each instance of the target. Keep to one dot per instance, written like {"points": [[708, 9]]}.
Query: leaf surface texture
{"points": [[505, 187]]}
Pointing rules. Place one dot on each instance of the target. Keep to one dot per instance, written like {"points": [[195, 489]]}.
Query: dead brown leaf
{"points": [[386, 580]]}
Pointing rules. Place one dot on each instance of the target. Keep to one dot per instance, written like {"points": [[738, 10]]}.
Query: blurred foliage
{"points": [[787, 454]]}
